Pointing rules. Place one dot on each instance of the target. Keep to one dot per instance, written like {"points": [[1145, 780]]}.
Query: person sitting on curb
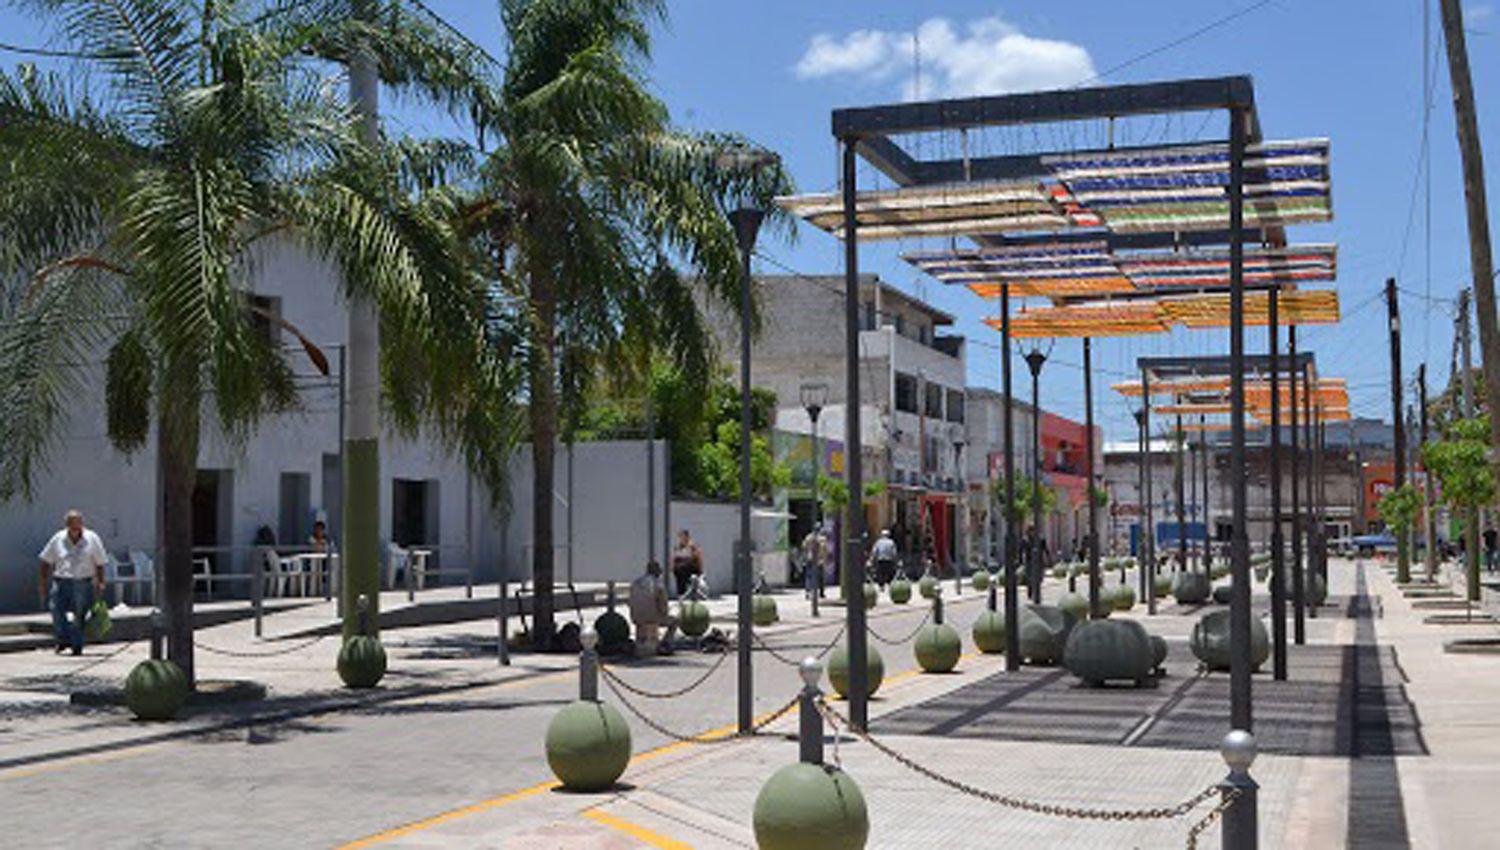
{"points": [[649, 612], [70, 575]]}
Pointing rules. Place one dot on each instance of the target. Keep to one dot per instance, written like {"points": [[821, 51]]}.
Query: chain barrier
{"points": [[683, 691], [709, 738], [797, 662], [903, 641], [83, 668], [235, 653], [1213, 814], [1159, 813]]}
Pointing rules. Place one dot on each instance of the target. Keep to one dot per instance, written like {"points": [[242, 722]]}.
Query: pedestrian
{"points": [[883, 557], [813, 557], [649, 612], [687, 561], [1491, 550], [70, 575], [319, 541]]}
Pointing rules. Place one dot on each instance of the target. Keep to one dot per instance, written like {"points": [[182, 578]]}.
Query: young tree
{"points": [[591, 202], [1399, 509], [1461, 463]]}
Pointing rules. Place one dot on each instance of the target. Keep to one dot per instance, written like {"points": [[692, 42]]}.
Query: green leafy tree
{"points": [[134, 205], [1460, 461], [1399, 509], [601, 218], [1021, 508]]}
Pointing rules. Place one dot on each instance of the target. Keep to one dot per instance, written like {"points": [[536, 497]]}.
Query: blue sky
{"points": [[1347, 69]]}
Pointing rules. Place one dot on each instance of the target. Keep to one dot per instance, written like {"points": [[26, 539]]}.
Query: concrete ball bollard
{"points": [[838, 670], [980, 580], [588, 742], [692, 618], [927, 586], [763, 609], [1123, 598], [156, 689], [613, 629], [362, 661], [937, 648], [900, 591], [872, 595], [989, 632], [807, 806], [1076, 605]]}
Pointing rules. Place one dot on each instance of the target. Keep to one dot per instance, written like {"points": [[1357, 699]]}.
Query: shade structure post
{"points": [[1180, 451], [854, 522], [1148, 527], [1091, 540], [1310, 524], [1299, 589], [1278, 584], [1239, 601], [1008, 438]]}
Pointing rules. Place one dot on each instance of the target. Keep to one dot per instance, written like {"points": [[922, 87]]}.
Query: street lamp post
{"points": [[1034, 361], [814, 397], [746, 221]]}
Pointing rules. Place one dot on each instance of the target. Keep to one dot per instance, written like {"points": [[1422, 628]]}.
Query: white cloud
{"points": [[989, 56]]}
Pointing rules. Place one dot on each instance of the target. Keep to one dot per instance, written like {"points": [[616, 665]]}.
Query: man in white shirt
{"points": [[883, 558], [71, 572]]}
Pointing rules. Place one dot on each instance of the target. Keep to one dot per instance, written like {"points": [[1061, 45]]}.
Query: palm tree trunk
{"points": [[543, 412], [177, 464]]}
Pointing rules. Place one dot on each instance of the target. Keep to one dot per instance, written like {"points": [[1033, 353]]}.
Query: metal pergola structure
{"points": [[874, 134]]}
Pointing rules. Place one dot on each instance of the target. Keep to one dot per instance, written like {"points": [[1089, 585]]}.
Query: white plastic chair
{"points": [[396, 560], [145, 571], [203, 572]]}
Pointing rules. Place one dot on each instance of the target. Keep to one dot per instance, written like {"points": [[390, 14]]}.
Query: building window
{"points": [[933, 405], [906, 393], [867, 316], [955, 406], [900, 325]]}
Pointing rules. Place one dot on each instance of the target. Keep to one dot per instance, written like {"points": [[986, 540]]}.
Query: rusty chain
{"points": [[683, 691], [1157, 813], [901, 641], [235, 653], [82, 668], [709, 738], [1207, 820], [797, 662]]}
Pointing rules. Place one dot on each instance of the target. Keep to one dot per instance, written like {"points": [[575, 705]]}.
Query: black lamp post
{"points": [[1034, 361], [814, 397], [746, 221]]}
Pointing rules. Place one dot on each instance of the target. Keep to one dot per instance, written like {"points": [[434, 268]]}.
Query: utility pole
{"points": [[1393, 312], [1429, 498], [1472, 515], [1481, 263], [361, 472]]}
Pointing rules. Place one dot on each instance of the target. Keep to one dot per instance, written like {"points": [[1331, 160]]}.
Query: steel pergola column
{"points": [[1278, 586], [1012, 604], [1299, 586], [1148, 527], [1092, 540], [1180, 480], [853, 584]]}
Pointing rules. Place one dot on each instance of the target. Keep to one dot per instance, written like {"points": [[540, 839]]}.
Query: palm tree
{"points": [[132, 215], [602, 219]]}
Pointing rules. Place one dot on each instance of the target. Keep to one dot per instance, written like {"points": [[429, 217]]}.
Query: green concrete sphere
{"points": [[872, 595], [1043, 632], [612, 628], [980, 580], [900, 591], [810, 807], [1222, 593], [692, 618], [1191, 588], [937, 648], [156, 689], [838, 670], [588, 746], [1076, 605], [1163, 585], [927, 586], [1123, 598], [361, 661], [989, 632], [1060, 571], [763, 609], [1158, 650], [1210, 641], [1099, 651]]}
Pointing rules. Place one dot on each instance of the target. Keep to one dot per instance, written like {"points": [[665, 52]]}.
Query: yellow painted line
{"points": [[636, 831], [496, 802]]}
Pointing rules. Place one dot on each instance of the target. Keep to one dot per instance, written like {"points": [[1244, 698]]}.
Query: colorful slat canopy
{"points": [[956, 209], [1131, 318], [1186, 188], [1211, 310], [1123, 318], [1209, 268]]}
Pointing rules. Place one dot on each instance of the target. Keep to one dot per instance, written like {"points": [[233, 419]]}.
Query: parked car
{"points": [[1369, 544]]}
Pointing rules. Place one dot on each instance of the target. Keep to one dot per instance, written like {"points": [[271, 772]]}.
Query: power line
{"points": [[1178, 42]]}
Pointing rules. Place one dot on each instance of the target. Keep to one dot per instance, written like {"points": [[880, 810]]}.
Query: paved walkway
{"points": [[448, 752]]}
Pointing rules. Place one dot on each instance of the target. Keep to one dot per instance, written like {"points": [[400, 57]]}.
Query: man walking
{"points": [[71, 572], [883, 558]]}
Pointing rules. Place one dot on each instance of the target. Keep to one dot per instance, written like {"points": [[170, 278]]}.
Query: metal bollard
{"points": [[258, 587], [158, 635], [1240, 821], [810, 720], [362, 614], [994, 595], [937, 608], [503, 615], [588, 666]]}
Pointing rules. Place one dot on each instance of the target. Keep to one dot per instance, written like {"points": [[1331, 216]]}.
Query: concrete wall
{"points": [[716, 525]]}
